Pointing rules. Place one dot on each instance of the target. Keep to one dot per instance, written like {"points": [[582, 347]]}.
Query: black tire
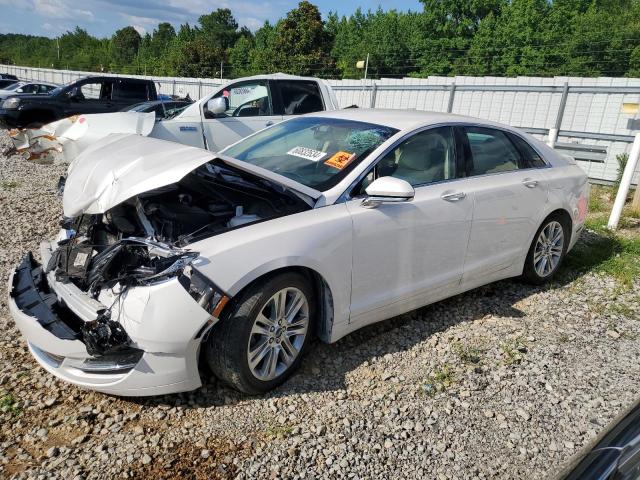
{"points": [[226, 347], [530, 275]]}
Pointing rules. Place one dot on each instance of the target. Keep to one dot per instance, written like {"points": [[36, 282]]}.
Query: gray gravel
{"points": [[507, 381]]}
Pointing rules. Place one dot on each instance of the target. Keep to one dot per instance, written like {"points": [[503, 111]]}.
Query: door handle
{"points": [[529, 182], [269, 123], [453, 197]]}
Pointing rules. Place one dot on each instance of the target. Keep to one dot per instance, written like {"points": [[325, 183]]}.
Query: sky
{"points": [[102, 18]]}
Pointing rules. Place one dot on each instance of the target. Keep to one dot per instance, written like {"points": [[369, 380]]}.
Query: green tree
{"points": [[125, 43], [302, 43], [161, 39]]}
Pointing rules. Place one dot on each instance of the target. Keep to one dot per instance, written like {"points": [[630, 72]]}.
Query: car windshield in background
{"points": [[317, 152], [15, 86]]}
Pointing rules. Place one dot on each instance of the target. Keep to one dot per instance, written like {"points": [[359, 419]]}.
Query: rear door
{"points": [[509, 195], [297, 97], [249, 109]]}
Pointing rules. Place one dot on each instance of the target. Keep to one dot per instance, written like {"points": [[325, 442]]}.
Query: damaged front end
{"points": [[120, 304], [120, 294]]}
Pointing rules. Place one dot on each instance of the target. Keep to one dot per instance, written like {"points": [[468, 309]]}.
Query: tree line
{"points": [[448, 37]]}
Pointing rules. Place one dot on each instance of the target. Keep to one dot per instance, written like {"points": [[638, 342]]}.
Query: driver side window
{"points": [[426, 157], [247, 99]]}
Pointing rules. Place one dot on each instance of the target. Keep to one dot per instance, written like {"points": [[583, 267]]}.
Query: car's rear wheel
{"points": [[260, 341], [547, 250]]}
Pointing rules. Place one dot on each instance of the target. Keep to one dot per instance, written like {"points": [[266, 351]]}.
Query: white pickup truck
{"points": [[233, 111], [243, 107]]}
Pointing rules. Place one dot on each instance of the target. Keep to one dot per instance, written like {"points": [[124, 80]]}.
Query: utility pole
{"points": [[58, 45], [635, 203], [221, 65], [365, 65]]}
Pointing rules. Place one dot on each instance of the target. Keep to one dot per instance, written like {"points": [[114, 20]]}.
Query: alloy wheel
{"points": [[278, 334], [548, 250]]}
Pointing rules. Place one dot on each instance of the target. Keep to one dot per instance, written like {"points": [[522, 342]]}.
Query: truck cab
{"points": [[244, 106]]}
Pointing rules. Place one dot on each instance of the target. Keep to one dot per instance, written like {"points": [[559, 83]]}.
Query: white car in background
{"points": [[317, 226], [27, 88]]}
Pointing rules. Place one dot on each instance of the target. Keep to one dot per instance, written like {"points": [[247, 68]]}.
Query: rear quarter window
{"points": [[530, 157]]}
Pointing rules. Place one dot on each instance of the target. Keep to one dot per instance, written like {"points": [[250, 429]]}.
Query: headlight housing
{"points": [[11, 103], [204, 291]]}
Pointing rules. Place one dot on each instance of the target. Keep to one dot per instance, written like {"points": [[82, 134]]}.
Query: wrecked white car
{"points": [[320, 225], [230, 113], [63, 140]]}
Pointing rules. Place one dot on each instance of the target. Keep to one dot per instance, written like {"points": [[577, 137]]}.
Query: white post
{"points": [[625, 183], [553, 137]]}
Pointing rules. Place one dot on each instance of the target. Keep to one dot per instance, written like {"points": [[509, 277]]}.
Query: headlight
{"points": [[203, 291], [11, 103]]}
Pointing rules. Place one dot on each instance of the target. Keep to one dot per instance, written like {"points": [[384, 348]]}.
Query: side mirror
{"points": [[388, 190], [219, 105], [19, 90]]}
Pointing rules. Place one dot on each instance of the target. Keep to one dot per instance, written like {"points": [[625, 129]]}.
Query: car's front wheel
{"points": [[547, 250], [260, 341]]}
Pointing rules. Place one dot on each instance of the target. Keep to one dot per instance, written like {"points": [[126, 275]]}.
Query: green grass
{"points": [[8, 403], [469, 354], [278, 431], [440, 379], [8, 185], [513, 350], [607, 252]]}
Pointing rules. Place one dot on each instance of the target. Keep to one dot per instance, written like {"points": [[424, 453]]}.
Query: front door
{"points": [[409, 254], [91, 96], [250, 108]]}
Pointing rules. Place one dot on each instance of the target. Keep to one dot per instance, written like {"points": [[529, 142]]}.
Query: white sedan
{"points": [[317, 226]]}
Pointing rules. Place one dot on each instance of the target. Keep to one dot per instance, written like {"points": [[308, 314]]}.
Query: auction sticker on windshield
{"points": [[307, 153], [340, 160]]}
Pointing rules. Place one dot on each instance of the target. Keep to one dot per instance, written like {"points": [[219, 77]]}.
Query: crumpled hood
{"points": [[121, 166]]}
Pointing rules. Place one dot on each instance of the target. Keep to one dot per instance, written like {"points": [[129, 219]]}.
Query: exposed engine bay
{"points": [[144, 239]]}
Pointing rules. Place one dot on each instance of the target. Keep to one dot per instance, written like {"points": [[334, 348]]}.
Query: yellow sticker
{"points": [[340, 160]]}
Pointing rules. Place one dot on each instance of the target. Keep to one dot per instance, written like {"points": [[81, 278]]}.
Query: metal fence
{"points": [[587, 113]]}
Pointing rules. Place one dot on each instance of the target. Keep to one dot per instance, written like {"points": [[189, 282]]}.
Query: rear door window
{"points": [[130, 91], [298, 97], [491, 151]]}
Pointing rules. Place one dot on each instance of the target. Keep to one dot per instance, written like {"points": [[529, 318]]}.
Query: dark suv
{"points": [[87, 95]]}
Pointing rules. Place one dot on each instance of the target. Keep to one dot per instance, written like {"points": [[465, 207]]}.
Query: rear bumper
{"points": [[50, 321]]}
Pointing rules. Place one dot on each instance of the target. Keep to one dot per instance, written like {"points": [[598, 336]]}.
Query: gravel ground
{"points": [[507, 381]]}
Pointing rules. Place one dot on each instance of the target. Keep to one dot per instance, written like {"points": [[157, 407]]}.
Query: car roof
{"points": [[162, 100], [274, 76], [37, 82], [402, 119]]}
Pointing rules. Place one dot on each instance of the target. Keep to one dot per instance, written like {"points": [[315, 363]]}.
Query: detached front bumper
{"points": [[164, 323]]}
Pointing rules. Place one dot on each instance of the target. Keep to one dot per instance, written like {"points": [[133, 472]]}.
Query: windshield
{"points": [[139, 107], [59, 89], [15, 86], [317, 152]]}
